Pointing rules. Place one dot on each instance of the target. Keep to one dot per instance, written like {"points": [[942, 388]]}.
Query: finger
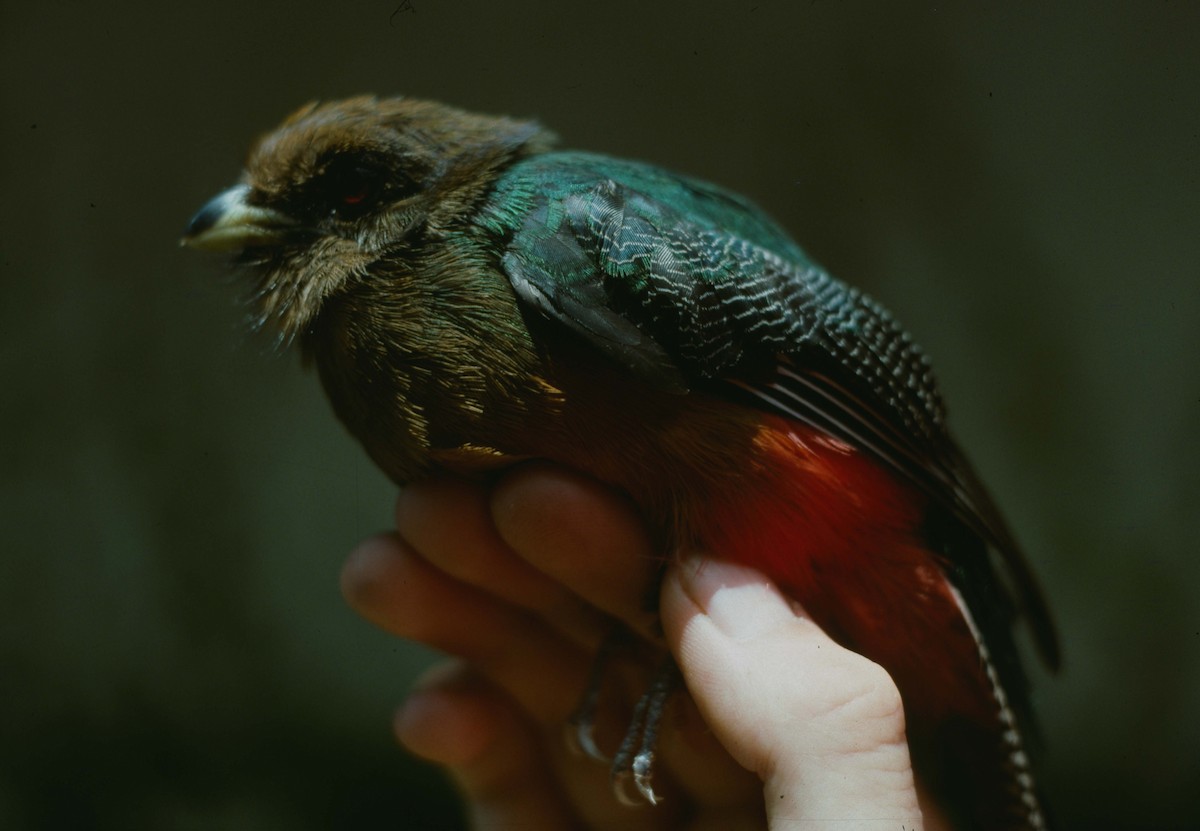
{"points": [[822, 726], [455, 719], [583, 534], [390, 585], [449, 521]]}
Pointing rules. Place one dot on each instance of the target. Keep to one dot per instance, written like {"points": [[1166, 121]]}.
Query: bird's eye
{"points": [[356, 193], [349, 188]]}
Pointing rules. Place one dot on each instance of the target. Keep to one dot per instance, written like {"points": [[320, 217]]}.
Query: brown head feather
{"points": [[359, 178]]}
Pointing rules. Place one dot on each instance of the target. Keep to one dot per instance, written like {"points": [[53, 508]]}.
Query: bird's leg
{"points": [[581, 726], [635, 757]]}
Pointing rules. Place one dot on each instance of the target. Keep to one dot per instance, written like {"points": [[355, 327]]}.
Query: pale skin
{"points": [[520, 580]]}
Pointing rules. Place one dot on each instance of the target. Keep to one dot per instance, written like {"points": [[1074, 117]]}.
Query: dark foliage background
{"points": [[1019, 182]]}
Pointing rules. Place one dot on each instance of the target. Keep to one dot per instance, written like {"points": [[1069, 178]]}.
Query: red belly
{"points": [[841, 535]]}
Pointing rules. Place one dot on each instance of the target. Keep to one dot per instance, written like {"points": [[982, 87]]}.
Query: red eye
{"points": [[358, 195], [348, 187]]}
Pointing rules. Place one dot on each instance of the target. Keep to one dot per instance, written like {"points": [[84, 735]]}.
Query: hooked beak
{"points": [[229, 223]]}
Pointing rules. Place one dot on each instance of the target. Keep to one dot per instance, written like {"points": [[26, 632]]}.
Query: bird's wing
{"points": [[692, 288]]}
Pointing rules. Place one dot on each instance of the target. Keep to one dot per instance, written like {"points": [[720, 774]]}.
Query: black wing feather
{"points": [[684, 303]]}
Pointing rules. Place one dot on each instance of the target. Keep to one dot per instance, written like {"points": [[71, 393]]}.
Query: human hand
{"points": [[783, 727]]}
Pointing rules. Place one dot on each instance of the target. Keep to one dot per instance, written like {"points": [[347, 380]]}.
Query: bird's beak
{"points": [[229, 223]]}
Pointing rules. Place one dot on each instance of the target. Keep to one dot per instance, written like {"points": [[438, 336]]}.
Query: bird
{"points": [[470, 294]]}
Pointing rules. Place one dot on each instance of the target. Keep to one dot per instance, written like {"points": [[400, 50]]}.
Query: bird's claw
{"points": [[642, 791], [581, 727], [634, 760], [581, 737], [621, 790], [643, 768], [635, 757]]}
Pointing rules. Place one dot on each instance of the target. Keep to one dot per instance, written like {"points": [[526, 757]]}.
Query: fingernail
{"points": [[740, 601]]}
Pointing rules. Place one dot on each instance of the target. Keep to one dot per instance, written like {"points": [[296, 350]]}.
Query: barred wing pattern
{"points": [[687, 289]]}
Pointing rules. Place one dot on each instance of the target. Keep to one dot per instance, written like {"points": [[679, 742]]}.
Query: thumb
{"points": [[823, 727]]}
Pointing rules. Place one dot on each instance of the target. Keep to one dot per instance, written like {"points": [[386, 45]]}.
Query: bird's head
{"points": [[339, 186]]}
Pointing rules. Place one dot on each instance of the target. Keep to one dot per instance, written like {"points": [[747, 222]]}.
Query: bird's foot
{"points": [[635, 758], [581, 726], [632, 767]]}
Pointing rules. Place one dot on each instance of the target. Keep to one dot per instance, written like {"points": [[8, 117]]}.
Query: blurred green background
{"points": [[1019, 183]]}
